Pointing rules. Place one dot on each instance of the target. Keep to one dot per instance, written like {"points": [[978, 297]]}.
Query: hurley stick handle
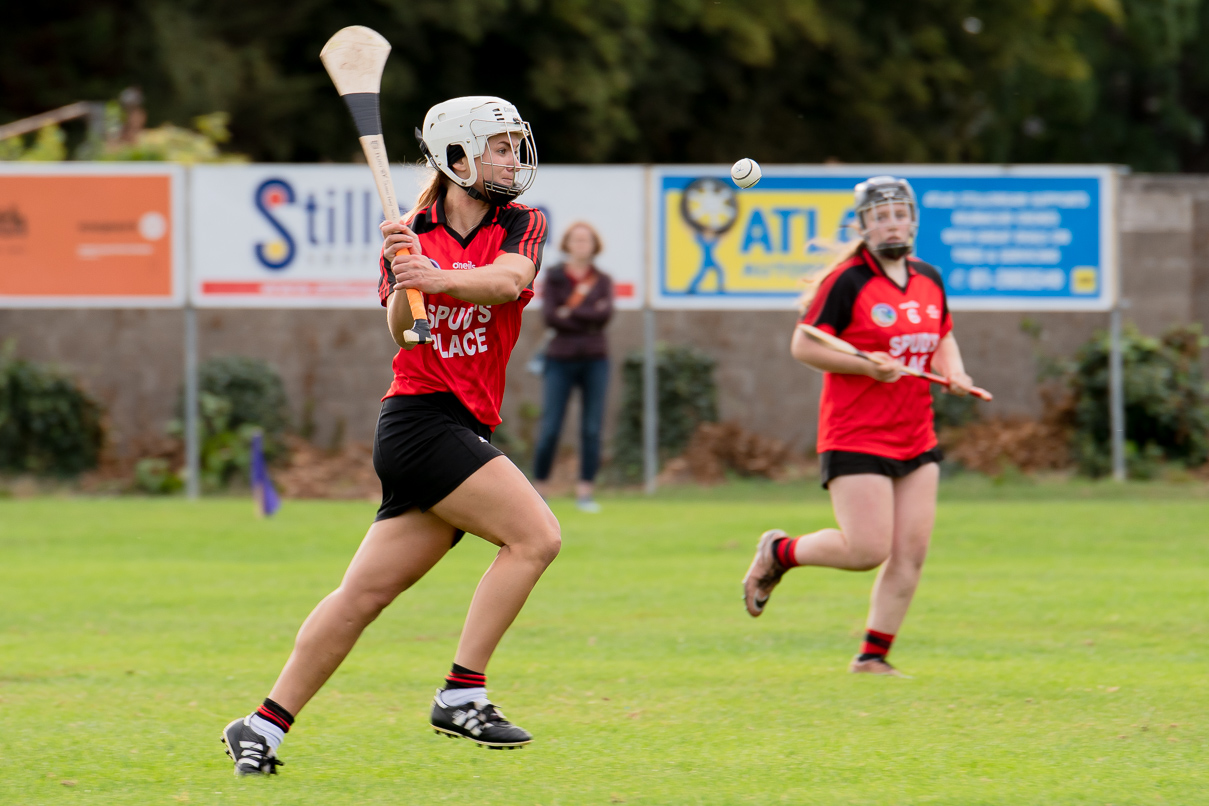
{"points": [[375, 155], [841, 346], [354, 58]]}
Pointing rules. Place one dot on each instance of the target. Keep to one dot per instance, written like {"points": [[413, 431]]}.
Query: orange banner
{"points": [[86, 236]]}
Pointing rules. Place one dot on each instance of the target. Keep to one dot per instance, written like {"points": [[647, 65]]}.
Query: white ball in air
{"points": [[745, 172]]}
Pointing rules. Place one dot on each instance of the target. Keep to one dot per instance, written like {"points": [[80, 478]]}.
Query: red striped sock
{"points": [[276, 714], [783, 548], [461, 677], [876, 645]]}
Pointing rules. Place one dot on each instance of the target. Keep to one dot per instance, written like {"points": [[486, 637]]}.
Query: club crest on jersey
{"points": [[884, 315]]}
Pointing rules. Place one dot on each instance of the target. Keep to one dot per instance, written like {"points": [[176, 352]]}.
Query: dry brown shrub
{"points": [[1027, 444], [315, 473], [1030, 445], [716, 447]]}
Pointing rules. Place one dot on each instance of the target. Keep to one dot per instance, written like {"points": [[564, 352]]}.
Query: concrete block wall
{"points": [[336, 364]]}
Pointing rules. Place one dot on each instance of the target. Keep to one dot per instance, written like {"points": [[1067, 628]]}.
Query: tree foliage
{"points": [[658, 80], [164, 143]]}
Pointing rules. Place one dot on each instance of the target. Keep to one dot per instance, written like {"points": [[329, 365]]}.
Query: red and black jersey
{"points": [[861, 305], [473, 342]]}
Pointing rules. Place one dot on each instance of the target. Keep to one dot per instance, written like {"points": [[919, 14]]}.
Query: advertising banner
{"points": [[288, 236], [1003, 238], [306, 236], [611, 199], [89, 235]]}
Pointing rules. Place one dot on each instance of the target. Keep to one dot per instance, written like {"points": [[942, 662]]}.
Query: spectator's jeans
{"points": [[591, 375]]}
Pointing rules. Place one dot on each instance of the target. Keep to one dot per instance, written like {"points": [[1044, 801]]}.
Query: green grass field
{"points": [[1058, 647]]}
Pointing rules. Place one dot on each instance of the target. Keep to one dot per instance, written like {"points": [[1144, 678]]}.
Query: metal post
{"points": [[192, 424], [1116, 394], [650, 374], [650, 402], [192, 432]]}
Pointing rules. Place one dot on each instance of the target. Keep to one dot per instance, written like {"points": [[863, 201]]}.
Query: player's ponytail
{"points": [[815, 280], [427, 197]]}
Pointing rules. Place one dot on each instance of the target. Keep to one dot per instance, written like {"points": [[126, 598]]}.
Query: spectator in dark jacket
{"points": [[577, 302]]}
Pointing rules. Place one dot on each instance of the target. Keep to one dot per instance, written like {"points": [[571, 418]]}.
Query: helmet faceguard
{"points": [[880, 203], [462, 127]]}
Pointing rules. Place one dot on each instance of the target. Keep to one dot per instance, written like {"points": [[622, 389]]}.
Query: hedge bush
{"points": [[687, 395], [1166, 401], [48, 424], [238, 396]]}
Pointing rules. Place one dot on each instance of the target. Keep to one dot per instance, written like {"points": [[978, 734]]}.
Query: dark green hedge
{"points": [[687, 396], [48, 424], [1166, 401]]}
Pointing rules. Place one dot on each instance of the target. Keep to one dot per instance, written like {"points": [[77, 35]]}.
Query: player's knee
{"points": [[866, 558], [366, 605], [545, 540], [549, 541], [540, 541], [909, 564]]}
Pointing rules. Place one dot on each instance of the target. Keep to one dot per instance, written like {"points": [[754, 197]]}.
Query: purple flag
{"points": [[267, 501]]}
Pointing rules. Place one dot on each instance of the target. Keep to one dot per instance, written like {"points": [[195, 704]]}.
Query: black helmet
{"points": [[880, 190]]}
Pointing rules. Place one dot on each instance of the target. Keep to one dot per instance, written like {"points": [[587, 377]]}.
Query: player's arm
{"points": [[947, 361], [399, 319], [815, 355], [498, 282], [395, 238]]}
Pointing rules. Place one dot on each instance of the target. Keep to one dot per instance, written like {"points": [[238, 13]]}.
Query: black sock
{"points": [[461, 677], [276, 714]]}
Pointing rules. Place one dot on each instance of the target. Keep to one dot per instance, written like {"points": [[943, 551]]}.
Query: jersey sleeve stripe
{"points": [[525, 245], [539, 237], [527, 238], [533, 236]]}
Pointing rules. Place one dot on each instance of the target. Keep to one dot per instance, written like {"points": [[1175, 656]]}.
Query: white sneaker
{"points": [[587, 505]]}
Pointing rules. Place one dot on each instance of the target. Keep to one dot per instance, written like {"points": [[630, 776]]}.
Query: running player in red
{"points": [[876, 443], [474, 253]]}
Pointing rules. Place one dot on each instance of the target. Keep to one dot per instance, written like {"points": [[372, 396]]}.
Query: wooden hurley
{"points": [[354, 58], [841, 346]]}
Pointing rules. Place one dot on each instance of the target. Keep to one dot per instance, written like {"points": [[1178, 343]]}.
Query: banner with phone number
{"points": [[1003, 238]]}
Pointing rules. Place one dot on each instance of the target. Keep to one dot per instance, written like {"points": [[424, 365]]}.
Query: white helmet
{"points": [[465, 124]]}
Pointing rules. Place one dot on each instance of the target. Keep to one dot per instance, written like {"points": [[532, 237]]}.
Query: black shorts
{"points": [[425, 446], [833, 464]]}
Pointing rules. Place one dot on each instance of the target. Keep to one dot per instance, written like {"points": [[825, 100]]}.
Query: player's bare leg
{"points": [[394, 555], [914, 517], [864, 509], [498, 504]]}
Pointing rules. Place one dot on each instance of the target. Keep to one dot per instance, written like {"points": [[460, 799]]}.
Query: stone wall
{"points": [[336, 364]]}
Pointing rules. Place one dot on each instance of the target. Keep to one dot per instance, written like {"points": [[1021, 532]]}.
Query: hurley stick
{"points": [[841, 346], [354, 58]]}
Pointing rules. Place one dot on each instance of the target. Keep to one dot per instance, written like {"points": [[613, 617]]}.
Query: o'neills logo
{"points": [[12, 223]]}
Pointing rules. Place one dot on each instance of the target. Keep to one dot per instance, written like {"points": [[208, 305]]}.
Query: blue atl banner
{"points": [[1004, 238]]}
